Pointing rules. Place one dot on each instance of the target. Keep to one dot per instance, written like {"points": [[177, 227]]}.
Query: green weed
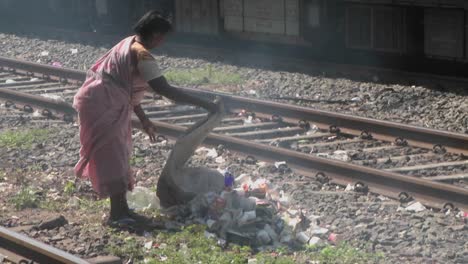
{"points": [[126, 247], [51, 205], [135, 161], [23, 139], [94, 206], [344, 254], [69, 188], [26, 198], [191, 246], [203, 76]]}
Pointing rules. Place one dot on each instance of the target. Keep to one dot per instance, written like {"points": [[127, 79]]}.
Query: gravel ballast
{"points": [[366, 221], [416, 105]]}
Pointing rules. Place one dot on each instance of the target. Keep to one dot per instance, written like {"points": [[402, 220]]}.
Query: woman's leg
{"points": [[119, 207]]}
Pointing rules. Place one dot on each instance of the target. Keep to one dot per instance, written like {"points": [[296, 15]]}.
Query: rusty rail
{"points": [[382, 130], [19, 248], [384, 182]]}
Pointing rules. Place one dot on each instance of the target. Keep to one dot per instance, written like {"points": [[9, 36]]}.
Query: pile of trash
{"points": [[254, 213], [247, 212]]}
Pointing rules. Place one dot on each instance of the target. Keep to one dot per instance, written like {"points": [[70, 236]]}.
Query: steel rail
{"points": [[391, 184], [382, 130], [34, 250]]}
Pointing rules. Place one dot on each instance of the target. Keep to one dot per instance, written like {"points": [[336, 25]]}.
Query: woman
{"points": [[114, 87]]}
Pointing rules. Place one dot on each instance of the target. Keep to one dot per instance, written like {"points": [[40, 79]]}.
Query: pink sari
{"points": [[105, 104]]}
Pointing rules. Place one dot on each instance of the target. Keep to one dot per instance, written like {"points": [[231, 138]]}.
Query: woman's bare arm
{"points": [[162, 87], [141, 114]]}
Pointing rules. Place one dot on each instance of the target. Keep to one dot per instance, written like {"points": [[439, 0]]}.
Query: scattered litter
{"points": [[337, 155], [36, 114], [279, 163], [252, 92], [74, 51], [149, 245], [210, 152], [250, 212], [319, 231], [53, 97], [383, 198], [314, 241], [142, 198], [340, 155], [248, 120], [228, 180], [209, 235], [462, 214], [57, 64], [220, 160], [34, 79], [313, 129], [349, 187], [44, 53], [10, 81], [356, 99], [415, 207]]}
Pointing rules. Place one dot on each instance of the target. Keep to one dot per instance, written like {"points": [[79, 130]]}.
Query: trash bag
{"points": [[142, 198]]}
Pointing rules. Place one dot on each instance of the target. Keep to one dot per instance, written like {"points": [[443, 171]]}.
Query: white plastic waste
{"points": [[415, 207], [279, 163], [210, 153], [52, 96], [319, 230], [340, 155], [10, 81], [220, 160], [314, 241], [248, 120], [142, 198], [149, 245], [74, 51], [44, 53]]}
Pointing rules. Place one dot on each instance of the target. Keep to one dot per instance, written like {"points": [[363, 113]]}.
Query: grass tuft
{"points": [[191, 246], [69, 188], [203, 76], [26, 198], [23, 139]]}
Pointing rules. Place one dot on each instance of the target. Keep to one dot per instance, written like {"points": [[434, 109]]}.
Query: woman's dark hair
{"points": [[152, 22]]}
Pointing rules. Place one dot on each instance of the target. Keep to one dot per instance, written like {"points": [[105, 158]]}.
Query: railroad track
{"points": [[400, 161], [20, 249]]}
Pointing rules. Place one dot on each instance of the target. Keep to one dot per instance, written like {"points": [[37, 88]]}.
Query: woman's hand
{"points": [[150, 129]]}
